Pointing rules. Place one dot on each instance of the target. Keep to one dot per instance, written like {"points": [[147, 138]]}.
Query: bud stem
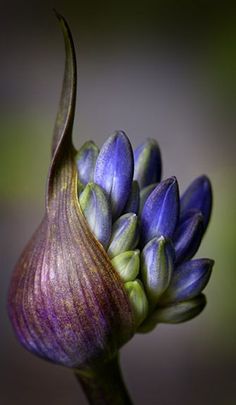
{"points": [[104, 384]]}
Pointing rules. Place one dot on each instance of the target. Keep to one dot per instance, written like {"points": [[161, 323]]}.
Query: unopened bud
{"points": [[124, 235], [127, 264]]}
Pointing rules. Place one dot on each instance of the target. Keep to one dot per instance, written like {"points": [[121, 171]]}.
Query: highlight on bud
{"points": [[157, 262], [127, 264], [124, 235], [86, 159], [97, 212], [114, 170], [147, 163], [198, 196], [161, 211]]}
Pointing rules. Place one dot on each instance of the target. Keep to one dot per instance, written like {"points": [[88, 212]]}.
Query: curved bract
{"points": [[66, 302]]}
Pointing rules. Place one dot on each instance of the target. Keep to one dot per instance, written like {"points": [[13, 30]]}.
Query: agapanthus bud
{"points": [[161, 211], [86, 160], [147, 163], [198, 196], [188, 280], [97, 212], [77, 294], [157, 263], [132, 204], [144, 194], [124, 235], [127, 264], [188, 236], [138, 300], [114, 170], [176, 313]]}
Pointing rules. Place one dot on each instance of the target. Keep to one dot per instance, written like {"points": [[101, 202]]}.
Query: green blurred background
{"points": [[159, 69]]}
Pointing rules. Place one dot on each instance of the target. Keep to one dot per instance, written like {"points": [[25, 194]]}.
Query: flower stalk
{"points": [[104, 385]]}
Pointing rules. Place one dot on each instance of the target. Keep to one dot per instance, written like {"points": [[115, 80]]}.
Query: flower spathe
{"points": [[113, 253], [66, 302]]}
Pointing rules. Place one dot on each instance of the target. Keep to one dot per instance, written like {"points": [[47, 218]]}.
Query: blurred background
{"points": [[161, 69]]}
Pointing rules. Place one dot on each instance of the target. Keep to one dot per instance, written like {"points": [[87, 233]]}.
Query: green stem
{"points": [[104, 385]]}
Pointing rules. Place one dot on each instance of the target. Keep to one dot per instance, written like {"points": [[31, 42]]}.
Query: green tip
{"points": [[138, 300], [124, 235], [127, 264]]}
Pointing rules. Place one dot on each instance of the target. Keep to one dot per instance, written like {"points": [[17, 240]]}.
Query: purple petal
{"points": [[157, 261], [147, 163], [85, 160], [97, 212], [198, 196], [188, 236], [161, 210], [132, 204], [114, 170], [188, 280], [124, 235], [144, 194], [176, 313]]}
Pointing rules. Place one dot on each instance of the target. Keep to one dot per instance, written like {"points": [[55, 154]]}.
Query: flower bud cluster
{"points": [[148, 231], [113, 252]]}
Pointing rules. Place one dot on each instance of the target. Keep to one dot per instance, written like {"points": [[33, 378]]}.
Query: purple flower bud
{"points": [[188, 236], [147, 163], [97, 212], [161, 211], [114, 170], [124, 236], [85, 160], [132, 204], [73, 302], [175, 313], [188, 280], [144, 194], [157, 262], [198, 196]]}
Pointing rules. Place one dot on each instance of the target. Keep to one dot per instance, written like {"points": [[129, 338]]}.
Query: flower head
{"points": [[113, 253]]}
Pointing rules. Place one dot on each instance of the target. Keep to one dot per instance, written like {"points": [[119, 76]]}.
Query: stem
{"points": [[104, 385]]}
